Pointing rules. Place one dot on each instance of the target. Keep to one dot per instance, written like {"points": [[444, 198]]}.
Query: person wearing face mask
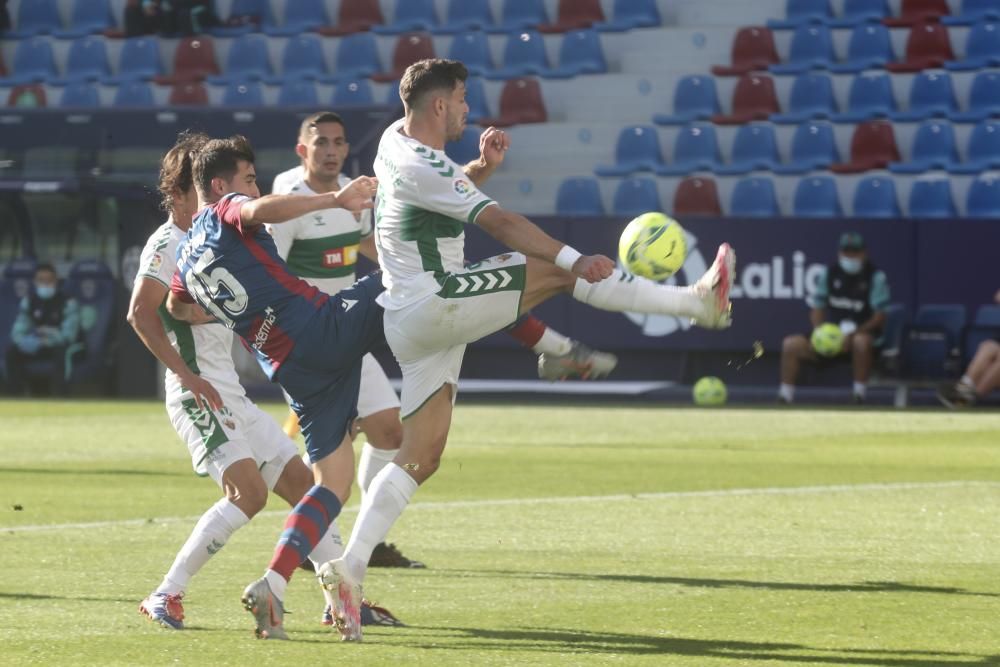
{"points": [[47, 323], [853, 294]]}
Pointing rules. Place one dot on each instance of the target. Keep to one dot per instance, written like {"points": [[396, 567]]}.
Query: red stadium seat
{"points": [[575, 15], [194, 60], [355, 16], [27, 95], [520, 102], [927, 46], [753, 99], [188, 94], [753, 49], [914, 12], [873, 146], [697, 196], [410, 48]]}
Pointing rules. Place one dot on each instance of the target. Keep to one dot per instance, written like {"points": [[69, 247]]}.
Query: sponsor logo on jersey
{"points": [[260, 339], [337, 257], [462, 187]]}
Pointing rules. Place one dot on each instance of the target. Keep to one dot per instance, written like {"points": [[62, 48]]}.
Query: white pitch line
{"points": [[501, 502]]}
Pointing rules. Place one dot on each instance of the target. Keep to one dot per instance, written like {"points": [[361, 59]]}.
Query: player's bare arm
{"points": [[517, 232], [368, 249], [275, 209], [493, 146]]}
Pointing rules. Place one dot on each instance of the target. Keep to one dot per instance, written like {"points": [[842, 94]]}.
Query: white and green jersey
{"points": [[321, 247], [424, 201], [205, 348]]}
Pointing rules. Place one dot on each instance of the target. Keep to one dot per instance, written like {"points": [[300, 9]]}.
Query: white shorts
{"points": [[376, 393], [240, 430], [428, 338]]}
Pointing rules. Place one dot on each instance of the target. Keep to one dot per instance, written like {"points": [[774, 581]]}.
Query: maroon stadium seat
{"points": [[575, 15], [355, 16], [927, 46], [697, 196], [188, 94], [914, 12], [520, 102], [873, 146], [753, 99], [194, 60], [410, 48], [33, 89], [753, 49]]}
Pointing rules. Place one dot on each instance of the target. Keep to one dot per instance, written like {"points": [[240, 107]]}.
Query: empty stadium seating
{"points": [[817, 197], [575, 15], [755, 147], [697, 197], [753, 49], [754, 98], [754, 198], [695, 98], [873, 146], [579, 197], [635, 196], [410, 16], [638, 149], [932, 198], [696, 148], [811, 97], [875, 197], [520, 102]]}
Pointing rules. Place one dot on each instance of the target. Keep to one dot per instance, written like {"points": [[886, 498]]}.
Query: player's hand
{"points": [[593, 268], [493, 145], [205, 395], [357, 195]]}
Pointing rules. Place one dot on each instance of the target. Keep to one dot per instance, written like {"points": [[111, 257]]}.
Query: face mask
{"points": [[45, 291], [851, 265]]}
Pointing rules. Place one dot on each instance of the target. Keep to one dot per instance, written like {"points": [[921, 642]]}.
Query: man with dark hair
{"points": [[852, 294], [434, 305], [46, 329]]}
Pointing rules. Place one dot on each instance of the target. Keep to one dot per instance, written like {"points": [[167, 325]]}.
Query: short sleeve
{"points": [[228, 210], [444, 188], [818, 298], [156, 263], [179, 289], [879, 296]]}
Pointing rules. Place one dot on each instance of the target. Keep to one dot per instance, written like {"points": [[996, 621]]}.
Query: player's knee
{"points": [[793, 345], [251, 499], [862, 342]]}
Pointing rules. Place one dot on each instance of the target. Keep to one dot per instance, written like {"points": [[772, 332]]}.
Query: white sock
{"points": [[624, 292], [209, 535], [861, 389], [553, 342], [786, 392], [387, 497], [371, 463], [967, 381], [278, 584], [329, 547]]}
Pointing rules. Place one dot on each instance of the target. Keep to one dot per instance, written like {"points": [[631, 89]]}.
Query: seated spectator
{"points": [[46, 328], [4, 16], [148, 17], [194, 17], [980, 378], [853, 294]]}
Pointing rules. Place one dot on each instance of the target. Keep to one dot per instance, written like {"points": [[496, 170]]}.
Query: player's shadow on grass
{"points": [[71, 598], [105, 471], [580, 641], [860, 587]]}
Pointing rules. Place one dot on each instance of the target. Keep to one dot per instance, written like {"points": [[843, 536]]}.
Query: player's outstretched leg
{"points": [[560, 357]]}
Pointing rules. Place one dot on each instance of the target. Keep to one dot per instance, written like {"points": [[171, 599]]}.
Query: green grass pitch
{"points": [[585, 535]]}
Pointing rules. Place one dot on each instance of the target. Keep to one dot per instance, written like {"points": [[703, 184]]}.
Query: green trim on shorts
{"points": [[424, 402], [488, 281], [212, 434]]}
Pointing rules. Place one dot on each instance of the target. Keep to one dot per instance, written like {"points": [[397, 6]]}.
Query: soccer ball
{"points": [[827, 339], [652, 246], [709, 392]]}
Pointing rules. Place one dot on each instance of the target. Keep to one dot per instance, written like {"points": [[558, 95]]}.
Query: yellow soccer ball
{"points": [[709, 391], [652, 246], [827, 339]]}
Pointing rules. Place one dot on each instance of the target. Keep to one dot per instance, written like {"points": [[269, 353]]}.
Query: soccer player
{"points": [[230, 439], [434, 305], [980, 378]]}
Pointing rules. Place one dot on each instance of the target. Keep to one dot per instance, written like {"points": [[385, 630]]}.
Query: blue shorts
{"points": [[323, 374]]}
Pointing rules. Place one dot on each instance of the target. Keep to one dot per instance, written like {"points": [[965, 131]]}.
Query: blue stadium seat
{"points": [[36, 17], [87, 60], [931, 96], [247, 60], [798, 12], [135, 94], [410, 16], [931, 198], [523, 55], [982, 48], [243, 94], [473, 50], [475, 97], [520, 15], [465, 149], [638, 149], [33, 61], [812, 48], [983, 199], [985, 326], [298, 93], [861, 11], [353, 93], [870, 46], [933, 148], [932, 343], [302, 58], [812, 97], [635, 196], [870, 97], [984, 149], [631, 14], [696, 148], [754, 198], [357, 57], [984, 99], [813, 147], [466, 15], [695, 98], [875, 197], [87, 17], [579, 53], [817, 197], [139, 59], [755, 147], [80, 95], [974, 11], [94, 287], [246, 16], [300, 16], [579, 197]]}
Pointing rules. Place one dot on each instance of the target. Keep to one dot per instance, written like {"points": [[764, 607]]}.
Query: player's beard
{"points": [[456, 125]]}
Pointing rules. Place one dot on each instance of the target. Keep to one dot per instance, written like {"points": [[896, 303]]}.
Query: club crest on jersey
{"points": [[462, 187]]}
